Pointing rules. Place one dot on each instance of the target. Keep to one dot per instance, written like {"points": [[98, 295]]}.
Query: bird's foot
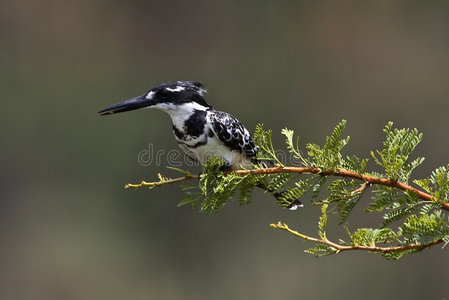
{"points": [[226, 166]]}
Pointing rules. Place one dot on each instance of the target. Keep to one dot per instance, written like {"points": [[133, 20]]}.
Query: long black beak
{"points": [[127, 105]]}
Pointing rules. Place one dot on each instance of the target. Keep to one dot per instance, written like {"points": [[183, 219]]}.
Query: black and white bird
{"points": [[201, 131]]}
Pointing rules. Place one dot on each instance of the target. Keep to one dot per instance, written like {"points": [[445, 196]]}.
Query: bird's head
{"points": [[167, 96]]}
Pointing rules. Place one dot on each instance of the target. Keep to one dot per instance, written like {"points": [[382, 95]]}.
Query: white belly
{"points": [[215, 147]]}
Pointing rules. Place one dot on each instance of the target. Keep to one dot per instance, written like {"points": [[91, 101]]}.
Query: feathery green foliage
{"points": [[437, 184], [409, 221], [278, 181], [321, 250], [424, 228], [328, 157], [218, 187], [266, 152], [395, 155], [370, 237], [293, 148]]}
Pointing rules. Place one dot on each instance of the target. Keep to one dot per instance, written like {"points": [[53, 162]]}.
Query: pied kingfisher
{"points": [[201, 131]]}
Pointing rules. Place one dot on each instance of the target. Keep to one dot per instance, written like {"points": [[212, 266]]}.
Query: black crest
{"points": [[179, 92]]}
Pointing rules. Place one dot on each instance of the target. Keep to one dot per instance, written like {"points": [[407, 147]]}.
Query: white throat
{"points": [[179, 113]]}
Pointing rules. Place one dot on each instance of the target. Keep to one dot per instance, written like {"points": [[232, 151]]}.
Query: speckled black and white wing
{"points": [[232, 133]]}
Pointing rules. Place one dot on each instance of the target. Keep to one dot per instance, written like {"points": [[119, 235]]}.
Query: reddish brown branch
{"points": [[346, 174], [311, 170]]}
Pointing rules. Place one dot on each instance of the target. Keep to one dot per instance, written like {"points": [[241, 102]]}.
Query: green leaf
{"points": [[247, 186], [342, 192], [329, 157], [424, 228], [278, 181], [291, 194], [440, 180], [322, 222], [192, 196], [293, 148], [396, 152], [318, 185], [321, 250], [355, 164], [262, 138], [217, 187], [370, 237]]}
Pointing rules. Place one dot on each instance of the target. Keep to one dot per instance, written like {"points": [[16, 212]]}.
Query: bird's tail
{"points": [[264, 163], [278, 195]]}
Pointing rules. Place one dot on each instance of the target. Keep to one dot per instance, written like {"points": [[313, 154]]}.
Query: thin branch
{"points": [[367, 179], [361, 189], [162, 181], [340, 248]]}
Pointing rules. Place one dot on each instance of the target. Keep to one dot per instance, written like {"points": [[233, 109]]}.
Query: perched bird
{"points": [[201, 131]]}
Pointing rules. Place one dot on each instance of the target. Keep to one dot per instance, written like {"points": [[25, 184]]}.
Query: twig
{"points": [[340, 248], [361, 189], [162, 181]]}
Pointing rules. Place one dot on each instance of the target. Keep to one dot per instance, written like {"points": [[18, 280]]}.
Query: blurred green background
{"points": [[70, 231]]}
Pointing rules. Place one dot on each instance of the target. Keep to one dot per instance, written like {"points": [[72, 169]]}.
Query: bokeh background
{"points": [[69, 230]]}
